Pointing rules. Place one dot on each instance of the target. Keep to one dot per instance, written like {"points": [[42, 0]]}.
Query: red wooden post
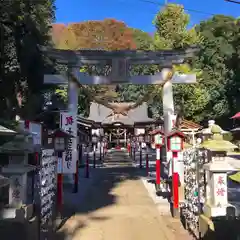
{"points": [[158, 165], [75, 189], [134, 152], [147, 164], [128, 148], [87, 164], [131, 149], [140, 160], [175, 181]]}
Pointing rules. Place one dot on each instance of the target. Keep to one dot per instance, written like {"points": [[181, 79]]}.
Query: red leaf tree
{"points": [[108, 34]]}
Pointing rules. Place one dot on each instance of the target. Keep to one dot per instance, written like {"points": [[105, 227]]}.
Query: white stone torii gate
{"points": [[120, 74]]}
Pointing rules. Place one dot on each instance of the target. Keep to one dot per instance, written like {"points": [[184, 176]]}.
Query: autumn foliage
{"points": [[108, 34]]}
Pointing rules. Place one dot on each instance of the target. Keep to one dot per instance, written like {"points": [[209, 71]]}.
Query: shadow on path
{"points": [[100, 194]]}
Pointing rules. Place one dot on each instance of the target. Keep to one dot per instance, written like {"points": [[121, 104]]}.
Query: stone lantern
{"points": [[216, 202], [17, 170]]}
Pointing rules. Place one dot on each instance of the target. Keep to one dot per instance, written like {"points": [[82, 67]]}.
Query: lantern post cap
{"points": [[61, 133], [156, 131], [218, 166], [176, 132]]}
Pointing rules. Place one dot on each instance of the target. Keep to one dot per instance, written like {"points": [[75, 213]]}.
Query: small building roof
{"points": [[236, 116], [3, 181], [235, 129], [189, 125], [6, 131]]}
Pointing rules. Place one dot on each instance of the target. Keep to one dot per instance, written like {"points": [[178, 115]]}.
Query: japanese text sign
{"points": [[220, 188], [68, 122], [16, 190]]}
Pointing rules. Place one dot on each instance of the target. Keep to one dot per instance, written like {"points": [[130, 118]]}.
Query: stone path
{"points": [[118, 207]]}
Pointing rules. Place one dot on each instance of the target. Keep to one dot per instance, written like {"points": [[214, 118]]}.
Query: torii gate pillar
{"points": [[168, 104]]}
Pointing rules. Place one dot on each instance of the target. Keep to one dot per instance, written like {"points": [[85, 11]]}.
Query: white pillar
{"points": [[168, 104], [125, 138], [193, 138], [168, 108]]}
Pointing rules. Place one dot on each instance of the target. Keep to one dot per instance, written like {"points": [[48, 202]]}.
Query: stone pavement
{"points": [[117, 207]]}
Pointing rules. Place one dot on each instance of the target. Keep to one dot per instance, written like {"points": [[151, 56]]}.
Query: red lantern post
{"points": [[60, 144], [158, 139], [175, 141]]}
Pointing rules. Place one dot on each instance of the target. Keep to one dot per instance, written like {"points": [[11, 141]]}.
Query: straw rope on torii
{"points": [[123, 109]]}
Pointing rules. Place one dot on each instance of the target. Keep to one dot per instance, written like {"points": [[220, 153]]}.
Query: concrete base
{"points": [[205, 225], [20, 214], [214, 211], [162, 203], [175, 212], [58, 222]]}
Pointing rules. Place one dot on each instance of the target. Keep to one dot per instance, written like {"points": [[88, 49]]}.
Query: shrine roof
{"points": [[86, 122], [104, 115]]}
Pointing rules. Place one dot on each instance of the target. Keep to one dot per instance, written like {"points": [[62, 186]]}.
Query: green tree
{"points": [[172, 28], [219, 59], [172, 32], [23, 26], [130, 92], [142, 39]]}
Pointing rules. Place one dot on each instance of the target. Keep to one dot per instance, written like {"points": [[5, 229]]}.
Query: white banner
{"points": [[68, 122], [35, 129]]}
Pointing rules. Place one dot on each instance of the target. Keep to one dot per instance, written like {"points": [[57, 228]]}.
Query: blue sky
{"points": [[136, 13]]}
